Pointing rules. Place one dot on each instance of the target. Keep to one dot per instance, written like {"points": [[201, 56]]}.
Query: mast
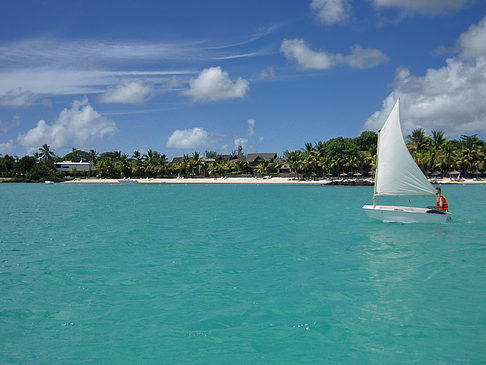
{"points": [[376, 169]]}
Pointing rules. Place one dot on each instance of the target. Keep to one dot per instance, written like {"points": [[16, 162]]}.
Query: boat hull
{"points": [[400, 214]]}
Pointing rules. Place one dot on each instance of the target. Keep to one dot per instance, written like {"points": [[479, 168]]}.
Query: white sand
{"points": [[247, 180]]}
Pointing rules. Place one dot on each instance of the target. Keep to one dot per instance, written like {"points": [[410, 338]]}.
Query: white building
{"points": [[67, 166]]}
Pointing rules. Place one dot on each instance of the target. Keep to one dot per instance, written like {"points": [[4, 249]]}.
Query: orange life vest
{"points": [[445, 206]]}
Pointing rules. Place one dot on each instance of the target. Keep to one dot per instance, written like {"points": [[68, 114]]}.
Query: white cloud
{"points": [[241, 142], [268, 73], [17, 98], [58, 81], [331, 11], [136, 92], [297, 50], [251, 127], [212, 84], [192, 139], [426, 7], [7, 147], [364, 57], [450, 98], [73, 127], [473, 42], [45, 52], [6, 126]]}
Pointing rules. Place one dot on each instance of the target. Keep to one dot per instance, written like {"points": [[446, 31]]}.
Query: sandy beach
{"points": [[253, 180]]}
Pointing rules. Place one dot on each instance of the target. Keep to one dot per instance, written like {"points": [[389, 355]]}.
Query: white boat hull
{"points": [[127, 181], [399, 214]]}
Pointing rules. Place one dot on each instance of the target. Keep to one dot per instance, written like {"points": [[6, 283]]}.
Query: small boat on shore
{"points": [[127, 181], [397, 174]]}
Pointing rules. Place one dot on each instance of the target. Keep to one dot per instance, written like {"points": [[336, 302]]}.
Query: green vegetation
{"points": [[336, 157]]}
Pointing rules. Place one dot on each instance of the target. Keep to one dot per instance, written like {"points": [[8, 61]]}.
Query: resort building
{"points": [[68, 166], [253, 158]]}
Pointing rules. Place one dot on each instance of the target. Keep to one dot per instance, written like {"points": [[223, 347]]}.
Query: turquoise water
{"points": [[196, 274]]}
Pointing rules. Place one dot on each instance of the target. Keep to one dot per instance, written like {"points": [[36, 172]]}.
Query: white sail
{"points": [[397, 174]]}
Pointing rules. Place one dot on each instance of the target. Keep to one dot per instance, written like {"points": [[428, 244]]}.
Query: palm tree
{"points": [[196, 162], [292, 158], [45, 152], [470, 157], [418, 141], [93, 156], [136, 163], [308, 147], [438, 138], [262, 167]]}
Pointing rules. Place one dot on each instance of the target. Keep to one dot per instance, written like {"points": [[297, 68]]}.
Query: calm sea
{"points": [[205, 274]]}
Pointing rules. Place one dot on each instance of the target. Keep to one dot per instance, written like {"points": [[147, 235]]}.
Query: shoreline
{"points": [[253, 180]]}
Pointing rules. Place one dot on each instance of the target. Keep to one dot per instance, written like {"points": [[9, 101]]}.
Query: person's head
{"points": [[438, 191]]}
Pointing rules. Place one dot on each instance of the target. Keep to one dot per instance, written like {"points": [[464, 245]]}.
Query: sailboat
{"points": [[397, 174]]}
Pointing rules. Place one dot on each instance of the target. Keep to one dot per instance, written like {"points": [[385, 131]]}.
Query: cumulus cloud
{"points": [[364, 57], [473, 42], [450, 98], [192, 139], [17, 98], [298, 51], [7, 147], [74, 126], [331, 11], [213, 84], [251, 127], [128, 92], [426, 7], [241, 142]]}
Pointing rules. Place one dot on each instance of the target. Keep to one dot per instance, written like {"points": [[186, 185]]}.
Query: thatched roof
{"points": [[251, 157]]}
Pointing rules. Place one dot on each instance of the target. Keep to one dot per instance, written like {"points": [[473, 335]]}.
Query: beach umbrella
{"points": [[358, 174], [454, 172], [427, 172], [477, 172], [372, 172], [437, 173], [343, 174]]}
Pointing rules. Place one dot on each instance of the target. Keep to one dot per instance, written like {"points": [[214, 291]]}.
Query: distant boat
{"points": [[48, 182], [127, 181], [397, 174]]}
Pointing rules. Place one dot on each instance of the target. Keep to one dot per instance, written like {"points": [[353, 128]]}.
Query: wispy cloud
{"points": [[44, 66], [297, 50], [17, 98], [251, 127], [90, 54], [261, 33], [51, 81], [425, 7]]}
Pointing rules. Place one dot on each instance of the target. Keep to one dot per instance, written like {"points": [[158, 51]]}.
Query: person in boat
{"points": [[441, 201]]}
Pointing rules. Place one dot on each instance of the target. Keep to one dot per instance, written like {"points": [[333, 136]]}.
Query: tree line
{"points": [[336, 157]]}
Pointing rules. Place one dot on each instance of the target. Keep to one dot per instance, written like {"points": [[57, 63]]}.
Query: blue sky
{"points": [[188, 75]]}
